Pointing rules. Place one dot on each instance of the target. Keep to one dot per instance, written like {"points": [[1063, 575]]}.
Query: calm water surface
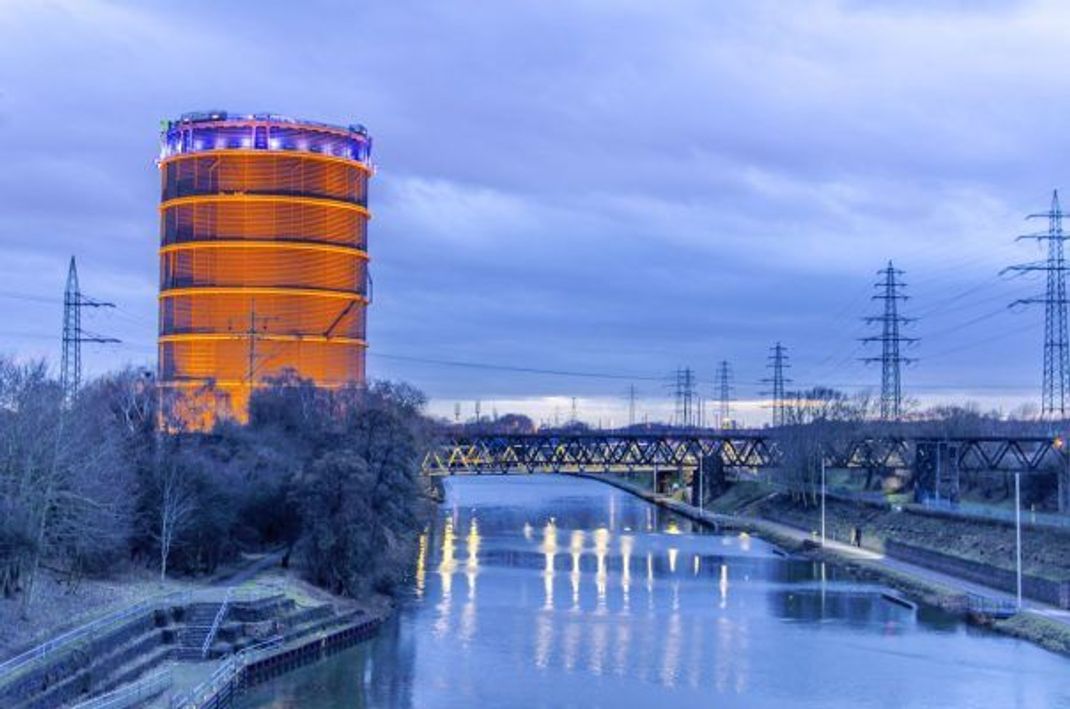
{"points": [[553, 592]]}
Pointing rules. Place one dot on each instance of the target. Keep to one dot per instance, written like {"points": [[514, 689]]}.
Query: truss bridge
{"points": [[615, 452]]}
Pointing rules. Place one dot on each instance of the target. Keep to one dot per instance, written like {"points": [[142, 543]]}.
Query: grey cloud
{"points": [[595, 185]]}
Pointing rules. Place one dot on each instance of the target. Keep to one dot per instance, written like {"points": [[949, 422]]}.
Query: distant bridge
{"points": [[609, 452]]}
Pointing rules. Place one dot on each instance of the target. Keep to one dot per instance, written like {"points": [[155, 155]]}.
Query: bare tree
{"points": [[31, 436], [64, 479], [177, 507]]}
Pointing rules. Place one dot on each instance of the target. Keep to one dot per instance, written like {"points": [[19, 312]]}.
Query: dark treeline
{"points": [[822, 418], [90, 486]]}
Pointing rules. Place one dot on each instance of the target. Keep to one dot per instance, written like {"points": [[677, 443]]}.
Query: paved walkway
{"points": [[952, 583], [947, 581]]}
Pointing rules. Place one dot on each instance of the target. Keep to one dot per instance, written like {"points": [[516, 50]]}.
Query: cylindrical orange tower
{"points": [[263, 253]]}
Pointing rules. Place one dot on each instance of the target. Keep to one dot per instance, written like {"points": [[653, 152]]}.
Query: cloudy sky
{"points": [[605, 187]]}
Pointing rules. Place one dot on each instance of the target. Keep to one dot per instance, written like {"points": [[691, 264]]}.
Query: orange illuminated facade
{"points": [[263, 253]]}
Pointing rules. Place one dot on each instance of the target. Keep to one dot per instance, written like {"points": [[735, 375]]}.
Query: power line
{"points": [[29, 297], [929, 387], [968, 323], [960, 307], [631, 404], [115, 309], [511, 368], [970, 345]]}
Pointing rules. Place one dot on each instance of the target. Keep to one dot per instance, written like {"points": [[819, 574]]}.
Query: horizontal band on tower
{"points": [[263, 290], [233, 336], [224, 383], [263, 198], [264, 244], [250, 152]]}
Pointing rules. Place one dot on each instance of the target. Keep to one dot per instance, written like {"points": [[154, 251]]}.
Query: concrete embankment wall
{"points": [[981, 551], [87, 666], [1056, 593], [290, 655], [309, 651]]}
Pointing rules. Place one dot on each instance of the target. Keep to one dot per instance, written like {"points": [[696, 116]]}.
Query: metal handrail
{"points": [[986, 605], [210, 637], [60, 642], [226, 672], [131, 694]]}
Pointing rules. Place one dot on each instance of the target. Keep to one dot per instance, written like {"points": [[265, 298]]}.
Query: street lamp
{"points": [[1059, 443], [822, 500], [1018, 531], [701, 486]]}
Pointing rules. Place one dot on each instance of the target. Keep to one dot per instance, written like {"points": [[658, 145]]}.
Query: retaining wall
{"points": [[1057, 593], [85, 664]]}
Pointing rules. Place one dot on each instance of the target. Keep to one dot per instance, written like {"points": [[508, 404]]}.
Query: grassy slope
{"points": [[1045, 552]]}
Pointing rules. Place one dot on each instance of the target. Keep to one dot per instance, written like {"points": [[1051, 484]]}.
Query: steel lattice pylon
{"points": [[1056, 352], [724, 376], [892, 340], [686, 409], [70, 375], [778, 362]]}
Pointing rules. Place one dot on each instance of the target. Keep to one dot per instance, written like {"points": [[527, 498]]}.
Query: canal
{"points": [[545, 591]]}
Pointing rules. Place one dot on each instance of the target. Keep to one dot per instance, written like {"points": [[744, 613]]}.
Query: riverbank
{"points": [[263, 645], [1042, 624], [153, 639], [60, 605]]}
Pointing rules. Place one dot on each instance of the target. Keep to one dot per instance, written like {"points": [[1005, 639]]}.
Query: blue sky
{"points": [[608, 187]]}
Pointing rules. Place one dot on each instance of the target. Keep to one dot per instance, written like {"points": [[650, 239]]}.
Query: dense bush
{"points": [[87, 484]]}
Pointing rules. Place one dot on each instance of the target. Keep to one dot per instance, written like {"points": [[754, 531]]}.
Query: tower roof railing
{"points": [[232, 117]]}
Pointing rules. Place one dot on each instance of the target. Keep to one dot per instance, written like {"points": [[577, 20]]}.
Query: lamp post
{"points": [[822, 500], [1064, 480], [1018, 532], [701, 485]]}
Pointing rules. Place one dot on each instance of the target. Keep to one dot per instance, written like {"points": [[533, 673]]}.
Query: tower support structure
{"points": [[892, 340], [1055, 387], [778, 364], [686, 408], [70, 373], [724, 392]]}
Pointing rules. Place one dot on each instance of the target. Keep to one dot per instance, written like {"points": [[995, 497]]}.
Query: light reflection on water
{"points": [[552, 614]]}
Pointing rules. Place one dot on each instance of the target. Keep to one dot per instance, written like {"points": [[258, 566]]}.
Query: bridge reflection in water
{"points": [[549, 591]]}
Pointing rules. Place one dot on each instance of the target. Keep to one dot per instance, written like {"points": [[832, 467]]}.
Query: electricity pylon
{"points": [[778, 362], [724, 390], [890, 290], [74, 300], [1053, 399]]}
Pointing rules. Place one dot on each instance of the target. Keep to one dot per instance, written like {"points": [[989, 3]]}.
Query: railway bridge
{"points": [[932, 465]]}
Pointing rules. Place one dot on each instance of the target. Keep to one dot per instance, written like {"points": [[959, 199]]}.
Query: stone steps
{"points": [[197, 625]]}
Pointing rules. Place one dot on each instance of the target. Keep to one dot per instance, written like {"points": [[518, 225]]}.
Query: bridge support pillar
{"points": [[711, 483], [1063, 478], [936, 472]]}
